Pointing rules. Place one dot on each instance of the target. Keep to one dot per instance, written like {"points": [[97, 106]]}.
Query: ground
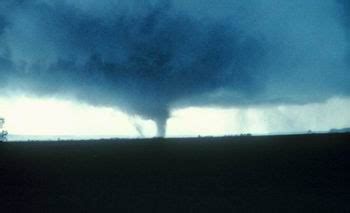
{"points": [[298, 173]]}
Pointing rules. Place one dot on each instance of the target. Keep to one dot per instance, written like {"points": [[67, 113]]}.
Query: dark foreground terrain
{"points": [[299, 173]]}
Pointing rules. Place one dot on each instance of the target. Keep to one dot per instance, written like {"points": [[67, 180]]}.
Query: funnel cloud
{"points": [[150, 57]]}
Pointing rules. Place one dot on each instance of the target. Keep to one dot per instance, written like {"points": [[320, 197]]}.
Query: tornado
{"points": [[152, 57]]}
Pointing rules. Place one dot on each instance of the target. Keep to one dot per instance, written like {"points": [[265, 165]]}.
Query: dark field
{"points": [[299, 173]]}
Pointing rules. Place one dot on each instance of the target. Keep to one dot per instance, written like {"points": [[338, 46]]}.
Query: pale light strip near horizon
{"points": [[44, 117]]}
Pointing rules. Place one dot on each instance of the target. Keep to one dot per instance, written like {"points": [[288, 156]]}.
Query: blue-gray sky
{"points": [[150, 57]]}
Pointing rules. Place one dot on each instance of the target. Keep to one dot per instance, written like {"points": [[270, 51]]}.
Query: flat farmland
{"points": [[291, 173]]}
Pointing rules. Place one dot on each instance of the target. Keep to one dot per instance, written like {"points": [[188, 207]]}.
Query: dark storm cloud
{"points": [[345, 11], [6, 65], [345, 15], [148, 57]]}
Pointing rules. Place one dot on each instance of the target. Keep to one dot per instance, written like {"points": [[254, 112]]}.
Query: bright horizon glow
{"points": [[317, 117], [33, 116]]}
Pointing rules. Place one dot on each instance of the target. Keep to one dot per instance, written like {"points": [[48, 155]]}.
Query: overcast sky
{"points": [[144, 68]]}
